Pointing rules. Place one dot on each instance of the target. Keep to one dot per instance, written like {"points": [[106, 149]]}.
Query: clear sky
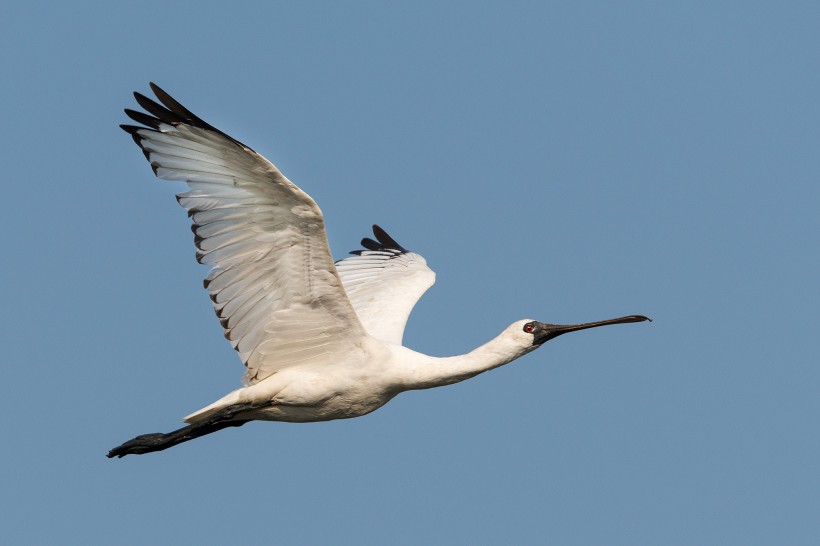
{"points": [[563, 161]]}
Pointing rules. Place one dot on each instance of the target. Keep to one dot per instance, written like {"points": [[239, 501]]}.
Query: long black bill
{"points": [[546, 332]]}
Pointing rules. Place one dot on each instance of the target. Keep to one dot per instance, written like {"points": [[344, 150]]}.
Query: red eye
{"points": [[529, 327]]}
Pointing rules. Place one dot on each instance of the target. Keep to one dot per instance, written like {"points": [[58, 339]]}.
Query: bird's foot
{"points": [[144, 443]]}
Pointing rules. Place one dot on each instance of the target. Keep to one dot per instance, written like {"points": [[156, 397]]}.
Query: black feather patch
{"points": [[170, 112], [145, 119], [162, 113], [383, 243], [174, 106]]}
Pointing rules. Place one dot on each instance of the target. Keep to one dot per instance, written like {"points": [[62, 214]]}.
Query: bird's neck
{"points": [[424, 372]]}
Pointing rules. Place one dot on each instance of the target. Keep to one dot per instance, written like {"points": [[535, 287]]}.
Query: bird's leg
{"points": [[158, 441]]}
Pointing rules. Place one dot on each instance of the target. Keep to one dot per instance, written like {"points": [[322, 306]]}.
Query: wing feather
{"points": [[273, 283], [383, 283]]}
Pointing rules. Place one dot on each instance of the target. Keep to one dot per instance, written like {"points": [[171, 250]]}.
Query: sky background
{"points": [[563, 161]]}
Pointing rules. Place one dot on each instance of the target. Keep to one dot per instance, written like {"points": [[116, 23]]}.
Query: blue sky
{"points": [[561, 161]]}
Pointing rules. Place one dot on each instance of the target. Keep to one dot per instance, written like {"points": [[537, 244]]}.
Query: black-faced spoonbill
{"points": [[319, 340]]}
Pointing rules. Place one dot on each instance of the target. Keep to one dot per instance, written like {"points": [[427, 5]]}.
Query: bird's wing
{"points": [[384, 282], [273, 283]]}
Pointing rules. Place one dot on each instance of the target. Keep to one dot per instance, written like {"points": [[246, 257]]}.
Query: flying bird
{"points": [[319, 340]]}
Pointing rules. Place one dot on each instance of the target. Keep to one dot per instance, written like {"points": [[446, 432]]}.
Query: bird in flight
{"points": [[319, 340]]}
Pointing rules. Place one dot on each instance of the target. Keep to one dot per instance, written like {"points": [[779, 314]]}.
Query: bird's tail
{"points": [[208, 411]]}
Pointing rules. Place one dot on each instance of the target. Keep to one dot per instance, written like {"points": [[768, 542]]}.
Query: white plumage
{"points": [[384, 283], [319, 340]]}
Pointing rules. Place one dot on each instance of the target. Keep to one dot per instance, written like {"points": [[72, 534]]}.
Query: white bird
{"points": [[319, 340]]}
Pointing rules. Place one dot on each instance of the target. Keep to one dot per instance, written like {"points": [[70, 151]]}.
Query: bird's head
{"points": [[531, 334]]}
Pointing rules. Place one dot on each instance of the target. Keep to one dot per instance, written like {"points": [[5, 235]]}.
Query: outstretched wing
{"points": [[273, 283], [383, 283]]}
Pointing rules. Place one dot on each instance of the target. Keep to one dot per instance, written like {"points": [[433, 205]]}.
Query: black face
{"points": [[529, 327], [543, 332], [539, 330]]}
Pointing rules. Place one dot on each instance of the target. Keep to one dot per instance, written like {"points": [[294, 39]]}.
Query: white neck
{"points": [[423, 372]]}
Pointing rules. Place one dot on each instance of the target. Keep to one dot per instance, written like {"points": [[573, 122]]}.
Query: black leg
{"points": [[158, 441]]}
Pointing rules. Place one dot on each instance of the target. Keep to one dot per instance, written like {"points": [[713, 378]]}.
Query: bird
{"points": [[320, 340]]}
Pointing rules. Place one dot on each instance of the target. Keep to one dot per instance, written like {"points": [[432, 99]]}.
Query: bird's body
{"points": [[320, 340], [363, 378]]}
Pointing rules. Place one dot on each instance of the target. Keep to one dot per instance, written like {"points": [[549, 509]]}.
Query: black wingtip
{"points": [[158, 91], [155, 109], [176, 107], [369, 244], [130, 129], [170, 111], [383, 242], [386, 240], [145, 119]]}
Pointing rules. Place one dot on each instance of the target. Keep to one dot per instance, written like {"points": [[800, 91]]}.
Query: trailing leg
{"points": [[147, 443]]}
